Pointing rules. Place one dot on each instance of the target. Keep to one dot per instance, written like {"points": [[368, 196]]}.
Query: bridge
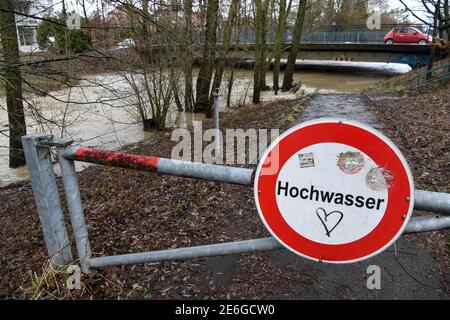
{"points": [[411, 54], [331, 43], [342, 43]]}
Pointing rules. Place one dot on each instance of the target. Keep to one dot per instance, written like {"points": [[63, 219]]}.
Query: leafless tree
{"points": [[296, 38], [206, 64], [433, 13], [12, 81]]}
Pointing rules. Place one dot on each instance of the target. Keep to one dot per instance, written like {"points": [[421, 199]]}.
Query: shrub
{"points": [[74, 41]]}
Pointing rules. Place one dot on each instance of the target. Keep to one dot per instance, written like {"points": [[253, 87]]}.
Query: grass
{"points": [[400, 84], [50, 283], [293, 116]]}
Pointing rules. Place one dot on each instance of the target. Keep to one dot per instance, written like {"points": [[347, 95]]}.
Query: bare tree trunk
{"points": [[265, 65], [13, 83], [262, 77], [296, 37], [447, 19], [102, 12], [174, 84], [259, 54], [144, 19], [433, 48], [330, 12], [64, 9], [232, 13], [177, 99], [86, 19], [66, 33], [283, 14], [230, 87], [207, 62], [188, 91], [130, 15]]}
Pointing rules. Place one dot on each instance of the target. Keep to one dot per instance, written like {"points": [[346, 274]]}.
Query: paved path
{"points": [[347, 106], [406, 271]]}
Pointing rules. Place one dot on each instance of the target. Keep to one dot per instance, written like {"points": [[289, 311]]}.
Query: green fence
{"points": [[439, 75]]}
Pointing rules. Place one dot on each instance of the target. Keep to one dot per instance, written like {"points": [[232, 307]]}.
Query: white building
{"points": [[26, 25]]}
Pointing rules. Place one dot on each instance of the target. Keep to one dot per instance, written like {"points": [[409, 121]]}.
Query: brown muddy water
{"points": [[99, 111]]}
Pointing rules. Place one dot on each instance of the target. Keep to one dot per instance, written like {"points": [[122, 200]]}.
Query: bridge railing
{"points": [[311, 34], [325, 34], [343, 37]]}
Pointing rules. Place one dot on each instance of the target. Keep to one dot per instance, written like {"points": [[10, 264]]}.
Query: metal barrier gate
{"points": [[43, 182]]}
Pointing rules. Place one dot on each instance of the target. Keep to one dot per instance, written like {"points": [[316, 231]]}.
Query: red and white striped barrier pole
{"points": [[189, 169]]}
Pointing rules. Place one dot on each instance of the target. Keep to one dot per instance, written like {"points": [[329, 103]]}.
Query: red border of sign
{"points": [[382, 151]]}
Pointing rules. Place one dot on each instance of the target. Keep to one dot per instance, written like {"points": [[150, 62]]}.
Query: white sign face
{"points": [[334, 190], [73, 21], [326, 202]]}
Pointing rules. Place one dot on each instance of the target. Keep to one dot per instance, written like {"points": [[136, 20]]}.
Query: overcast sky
{"points": [[415, 5]]}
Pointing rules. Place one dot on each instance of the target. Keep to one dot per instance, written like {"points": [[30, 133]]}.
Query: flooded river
{"points": [[99, 112]]}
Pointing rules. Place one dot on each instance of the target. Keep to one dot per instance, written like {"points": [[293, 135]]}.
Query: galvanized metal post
{"points": [[432, 201], [43, 183], [72, 191], [209, 250], [416, 224], [215, 95], [427, 223]]}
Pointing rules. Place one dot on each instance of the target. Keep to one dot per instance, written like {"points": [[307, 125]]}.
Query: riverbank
{"points": [[43, 72], [130, 211], [399, 85]]}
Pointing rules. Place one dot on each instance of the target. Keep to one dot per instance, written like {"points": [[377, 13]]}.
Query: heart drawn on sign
{"points": [[323, 217]]}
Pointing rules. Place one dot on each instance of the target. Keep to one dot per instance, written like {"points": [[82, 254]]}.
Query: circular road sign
{"points": [[334, 190]]}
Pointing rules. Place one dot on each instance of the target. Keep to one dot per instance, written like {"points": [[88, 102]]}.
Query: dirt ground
{"points": [[129, 211], [420, 126]]}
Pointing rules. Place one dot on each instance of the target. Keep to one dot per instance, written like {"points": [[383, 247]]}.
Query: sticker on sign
{"points": [[342, 192]]}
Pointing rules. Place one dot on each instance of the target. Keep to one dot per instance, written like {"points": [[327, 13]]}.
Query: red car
{"points": [[407, 35]]}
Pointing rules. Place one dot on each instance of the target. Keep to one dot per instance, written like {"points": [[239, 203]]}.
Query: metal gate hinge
{"points": [[55, 143]]}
